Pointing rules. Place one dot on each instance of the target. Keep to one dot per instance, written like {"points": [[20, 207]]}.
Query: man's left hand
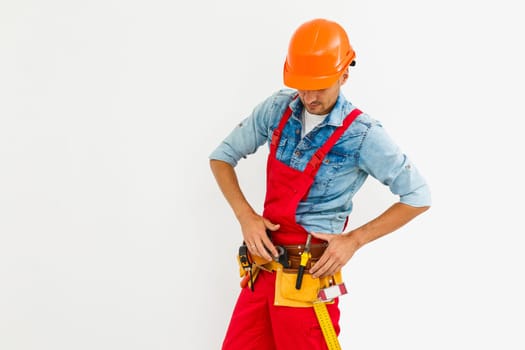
{"points": [[341, 247]]}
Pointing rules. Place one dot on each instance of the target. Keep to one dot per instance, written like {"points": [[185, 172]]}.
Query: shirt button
{"points": [[297, 131], [297, 153]]}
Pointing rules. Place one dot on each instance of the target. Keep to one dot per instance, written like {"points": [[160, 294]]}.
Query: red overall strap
{"points": [[276, 136], [315, 163], [278, 131]]}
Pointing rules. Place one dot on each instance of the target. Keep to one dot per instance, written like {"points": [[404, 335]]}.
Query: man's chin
{"points": [[318, 110]]}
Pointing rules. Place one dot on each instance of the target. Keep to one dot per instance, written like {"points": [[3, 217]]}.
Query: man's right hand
{"points": [[254, 228]]}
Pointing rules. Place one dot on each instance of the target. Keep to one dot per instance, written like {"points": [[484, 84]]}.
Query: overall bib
{"points": [[256, 322]]}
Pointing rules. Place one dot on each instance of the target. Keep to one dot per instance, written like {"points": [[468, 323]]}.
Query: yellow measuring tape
{"points": [[326, 326]]}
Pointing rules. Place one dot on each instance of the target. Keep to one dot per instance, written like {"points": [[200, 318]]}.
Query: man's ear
{"points": [[344, 76]]}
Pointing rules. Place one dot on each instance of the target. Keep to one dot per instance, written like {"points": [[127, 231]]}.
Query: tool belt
{"points": [[286, 271]]}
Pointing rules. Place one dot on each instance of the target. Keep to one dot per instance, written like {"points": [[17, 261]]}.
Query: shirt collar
{"points": [[336, 116]]}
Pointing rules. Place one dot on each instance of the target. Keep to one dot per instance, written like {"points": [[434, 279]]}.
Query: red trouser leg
{"points": [[257, 324], [250, 327]]}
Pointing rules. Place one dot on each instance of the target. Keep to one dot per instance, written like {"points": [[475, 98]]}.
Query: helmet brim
{"points": [[298, 81], [303, 82]]}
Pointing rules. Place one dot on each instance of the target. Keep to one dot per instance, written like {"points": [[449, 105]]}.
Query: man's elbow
{"points": [[219, 165], [423, 209]]}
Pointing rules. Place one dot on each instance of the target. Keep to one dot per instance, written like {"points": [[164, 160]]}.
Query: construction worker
{"points": [[321, 151]]}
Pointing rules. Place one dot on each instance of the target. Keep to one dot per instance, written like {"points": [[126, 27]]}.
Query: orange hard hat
{"points": [[318, 54]]}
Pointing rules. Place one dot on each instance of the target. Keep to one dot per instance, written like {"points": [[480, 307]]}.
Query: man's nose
{"points": [[309, 96]]}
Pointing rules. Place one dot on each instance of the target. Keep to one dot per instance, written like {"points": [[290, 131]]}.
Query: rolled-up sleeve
{"points": [[245, 138], [382, 159]]}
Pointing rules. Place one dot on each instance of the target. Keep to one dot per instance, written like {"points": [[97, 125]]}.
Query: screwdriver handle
{"points": [[299, 280], [305, 256]]}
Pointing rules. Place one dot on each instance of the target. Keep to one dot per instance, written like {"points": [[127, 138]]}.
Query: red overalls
{"points": [[256, 323]]}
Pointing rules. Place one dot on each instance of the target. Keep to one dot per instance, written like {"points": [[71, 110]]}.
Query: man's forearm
{"points": [[393, 218], [229, 185]]}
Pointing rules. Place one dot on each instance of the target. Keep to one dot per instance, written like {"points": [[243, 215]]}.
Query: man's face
{"points": [[321, 101]]}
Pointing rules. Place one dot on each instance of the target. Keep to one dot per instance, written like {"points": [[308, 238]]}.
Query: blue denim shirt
{"points": [[364, 149]]}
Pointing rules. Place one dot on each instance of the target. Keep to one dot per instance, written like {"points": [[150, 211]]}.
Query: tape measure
{"points": [[326, 326]]}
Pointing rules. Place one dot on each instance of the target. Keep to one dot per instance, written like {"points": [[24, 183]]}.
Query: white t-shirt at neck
{"points": [[310, 121]]}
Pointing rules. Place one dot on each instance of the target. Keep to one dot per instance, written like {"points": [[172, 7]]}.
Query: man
{"points": [[322, 148]]}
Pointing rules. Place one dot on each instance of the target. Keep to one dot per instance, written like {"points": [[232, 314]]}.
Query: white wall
{"points": [[113, 234]]}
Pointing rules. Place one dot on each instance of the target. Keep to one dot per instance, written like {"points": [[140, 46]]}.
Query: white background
{"points": [[113, 234]]}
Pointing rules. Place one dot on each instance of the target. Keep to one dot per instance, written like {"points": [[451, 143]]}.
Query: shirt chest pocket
{"points": [[335, 166], [281, 148], [341, 157], [334, 160]]}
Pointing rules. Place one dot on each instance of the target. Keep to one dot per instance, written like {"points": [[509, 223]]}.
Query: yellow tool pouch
{"points": [[287, 295]]}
